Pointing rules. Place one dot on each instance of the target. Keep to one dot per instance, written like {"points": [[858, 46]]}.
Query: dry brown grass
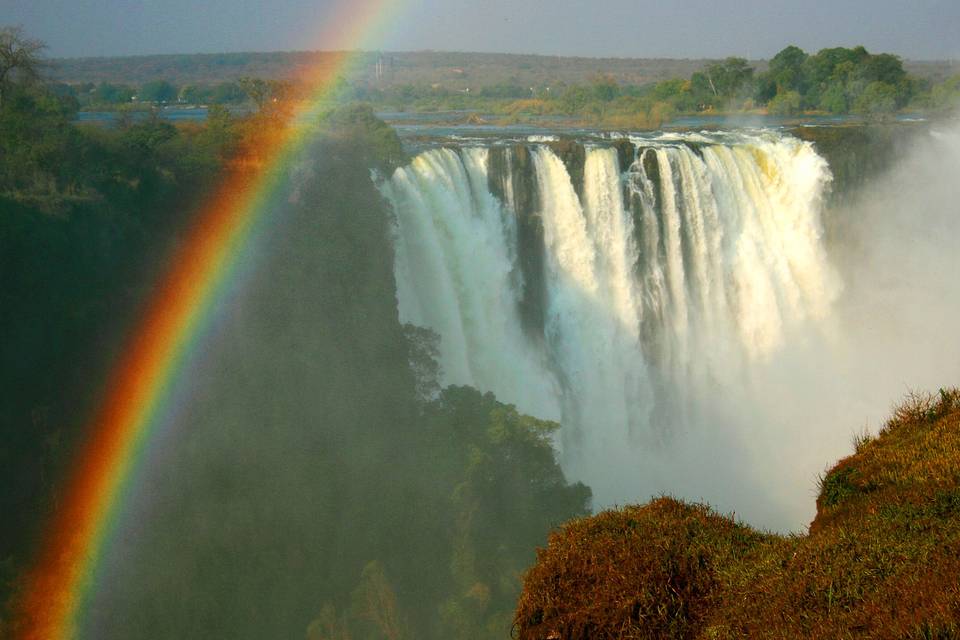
{"points": [[881, 560]]}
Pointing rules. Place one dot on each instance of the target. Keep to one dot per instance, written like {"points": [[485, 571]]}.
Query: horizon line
{"points": [[453, 51]]}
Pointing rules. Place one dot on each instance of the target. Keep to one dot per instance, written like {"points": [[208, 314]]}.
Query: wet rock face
{"points": [[511, 170], [626, 153], [512, 177], [650, 166], [574, 156], [859, 153]]}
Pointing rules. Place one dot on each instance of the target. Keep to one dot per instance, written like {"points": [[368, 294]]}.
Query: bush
{"points": [[878, 98], [785, 104]]}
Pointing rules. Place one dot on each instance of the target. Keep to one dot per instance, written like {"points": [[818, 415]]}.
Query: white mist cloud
{"points": [[893, 329]]}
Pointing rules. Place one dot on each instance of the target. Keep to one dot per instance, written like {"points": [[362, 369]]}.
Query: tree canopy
{"points": [[20, 58]]}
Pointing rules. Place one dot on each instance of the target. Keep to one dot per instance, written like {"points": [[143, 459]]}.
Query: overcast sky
{"points": [[918, 29]]}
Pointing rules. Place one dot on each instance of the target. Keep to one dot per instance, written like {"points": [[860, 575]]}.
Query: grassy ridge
{"points": [[881, 559]]}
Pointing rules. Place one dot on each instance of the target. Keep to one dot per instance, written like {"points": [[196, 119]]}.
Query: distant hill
{"points": [[456, 70], [452, 69]]}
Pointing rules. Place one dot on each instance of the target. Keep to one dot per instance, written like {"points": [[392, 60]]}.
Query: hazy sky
{"points": [[918, 29]]}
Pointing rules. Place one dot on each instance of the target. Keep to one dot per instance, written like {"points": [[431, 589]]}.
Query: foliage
{"points": [[226, 93], [257, 89], [358, 124], [507, 487], [424, 352], [87, 217], [877, 98], [880, 560], [722, 82], [834, 98], [785, 104], [946, 94], [158, 91], [836, 80], [20, 59], [498, 489], [109, 94]]}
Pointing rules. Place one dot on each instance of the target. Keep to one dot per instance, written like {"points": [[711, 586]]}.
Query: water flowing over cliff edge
{"points": [[663, 297]]}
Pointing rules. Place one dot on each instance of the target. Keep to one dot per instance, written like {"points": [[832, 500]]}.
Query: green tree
{"points": [[194, 94], [258, 90], [423, 349], [877, 99], [834, 99], [883, 67], [947, 93], [507, 489], [106, 93], [20, 59], [604, 88], [358, 123], [158, 91], [723, 81], [227, 93], [575, 98], [820, 67], [676, 92], [785, 104], [785, 73], [730, 77]]}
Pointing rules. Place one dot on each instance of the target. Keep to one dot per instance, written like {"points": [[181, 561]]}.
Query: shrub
{"points": [[785, 104]]}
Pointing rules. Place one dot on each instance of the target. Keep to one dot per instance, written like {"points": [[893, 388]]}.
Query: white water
{"points": [[653, 336]]}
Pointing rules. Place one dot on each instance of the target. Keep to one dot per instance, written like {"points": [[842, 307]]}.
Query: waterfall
{"points": [[614, 294]]}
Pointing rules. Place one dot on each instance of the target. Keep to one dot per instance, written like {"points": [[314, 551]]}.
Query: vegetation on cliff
{"points": [[881, 558]]}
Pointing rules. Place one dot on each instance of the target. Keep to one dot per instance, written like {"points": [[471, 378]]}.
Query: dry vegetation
{"points": [[881, 560], [457, 70]]}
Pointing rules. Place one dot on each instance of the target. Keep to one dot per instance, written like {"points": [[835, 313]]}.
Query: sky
{"points": [[918, 29]]}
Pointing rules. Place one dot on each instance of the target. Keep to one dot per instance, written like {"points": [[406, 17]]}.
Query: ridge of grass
{"points": [[881, 559]]}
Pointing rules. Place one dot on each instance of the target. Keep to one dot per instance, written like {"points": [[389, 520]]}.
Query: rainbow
{"points": [[184, 307]]}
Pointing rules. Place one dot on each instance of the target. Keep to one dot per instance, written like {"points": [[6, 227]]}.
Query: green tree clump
{"points": [[837, 80], [785, 104], [158, 91]]}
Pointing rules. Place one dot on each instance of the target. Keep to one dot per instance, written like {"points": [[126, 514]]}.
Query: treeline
{"points": [[837, 81], [105, 95]]}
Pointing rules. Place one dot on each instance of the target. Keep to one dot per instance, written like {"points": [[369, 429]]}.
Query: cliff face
{"points": [[881, 558], [859, 152]]}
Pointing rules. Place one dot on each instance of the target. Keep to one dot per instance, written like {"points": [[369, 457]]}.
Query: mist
{"points": [[761, 443]]}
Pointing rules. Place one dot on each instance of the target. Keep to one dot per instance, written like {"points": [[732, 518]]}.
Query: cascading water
{"points": [[620, 288]]}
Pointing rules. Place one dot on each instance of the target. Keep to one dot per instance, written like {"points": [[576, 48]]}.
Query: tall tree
{"points": [[20, 58], [256, 89]]}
